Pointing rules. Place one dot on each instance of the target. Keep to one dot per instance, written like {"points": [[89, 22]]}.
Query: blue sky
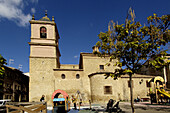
{"points": [[78, 21]]}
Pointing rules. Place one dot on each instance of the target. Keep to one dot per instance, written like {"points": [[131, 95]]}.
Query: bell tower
{"points": [[44, 56], [44, 39]]}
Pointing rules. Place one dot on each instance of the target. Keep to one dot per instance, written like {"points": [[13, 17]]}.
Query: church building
{"points": [[87, 78]]}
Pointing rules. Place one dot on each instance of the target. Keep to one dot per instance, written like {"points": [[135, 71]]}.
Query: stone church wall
{"points": [[70, 84], [120, 89], [91, 65], [41, 78]]}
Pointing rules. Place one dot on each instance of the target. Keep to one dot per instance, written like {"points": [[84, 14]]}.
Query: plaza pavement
{"points": [[140, 107], [145, 107]]}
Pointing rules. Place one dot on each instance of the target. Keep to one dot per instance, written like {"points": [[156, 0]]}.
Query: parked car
{"points": [[2, 105], [3, 102]]}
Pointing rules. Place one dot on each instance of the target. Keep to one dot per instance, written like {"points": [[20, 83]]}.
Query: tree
{"points": [[2, 63], [133, 44]]}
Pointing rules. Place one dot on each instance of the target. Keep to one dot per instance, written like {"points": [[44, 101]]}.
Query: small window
{"points": [[63, 76], [43, 32], [10, 86], [77, 76], [107, 89], [102, 67], [16, 87], [148, 84]]}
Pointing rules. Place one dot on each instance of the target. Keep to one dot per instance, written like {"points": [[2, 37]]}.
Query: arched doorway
{"points": [[57, 92], [59, 101]]}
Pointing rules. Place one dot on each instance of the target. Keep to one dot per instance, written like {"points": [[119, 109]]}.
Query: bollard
{"points": [[7, 109], [45, 107], [79, 106], [90, 104]]}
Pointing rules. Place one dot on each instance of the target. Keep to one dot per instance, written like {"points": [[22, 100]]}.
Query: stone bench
{"points": [[144, 99]]}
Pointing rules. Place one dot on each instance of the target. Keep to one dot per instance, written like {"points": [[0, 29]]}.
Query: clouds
{"points": [[33, 10], [76, 56], [13, 11], [34, 1]]}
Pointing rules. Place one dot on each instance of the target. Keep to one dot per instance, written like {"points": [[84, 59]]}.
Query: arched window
{"points": [[43, 32], [77, 76], [63, 76]]}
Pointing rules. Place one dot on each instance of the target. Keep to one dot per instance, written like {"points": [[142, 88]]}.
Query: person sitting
{"points": [[137, 99], [109, 106], [116, 104], [113, 106]]}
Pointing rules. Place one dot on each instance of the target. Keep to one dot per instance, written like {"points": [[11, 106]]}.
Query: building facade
{"points": [[14, 85], [47, 74]]}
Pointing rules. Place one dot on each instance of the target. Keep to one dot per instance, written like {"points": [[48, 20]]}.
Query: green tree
{"points": [[2, 63], [133, 44]]}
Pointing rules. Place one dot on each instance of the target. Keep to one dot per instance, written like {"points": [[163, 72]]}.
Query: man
{"points": [[74, 101], [110, 105], [42, 98]]}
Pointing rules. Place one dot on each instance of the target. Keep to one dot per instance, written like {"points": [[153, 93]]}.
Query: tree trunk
{"points": [[131, 94]]}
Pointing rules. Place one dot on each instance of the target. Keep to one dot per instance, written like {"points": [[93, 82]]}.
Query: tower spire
{"points": [[33, 17], [52, 18], [46, 13]]}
